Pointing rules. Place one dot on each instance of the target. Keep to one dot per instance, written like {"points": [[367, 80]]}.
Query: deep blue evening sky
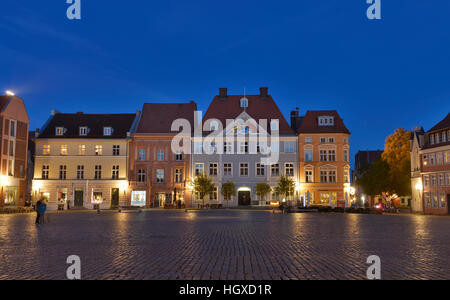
{"points": [[321, 54]]}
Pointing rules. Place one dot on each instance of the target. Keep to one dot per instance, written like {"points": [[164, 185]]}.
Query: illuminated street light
{"points": [[9, 93]]}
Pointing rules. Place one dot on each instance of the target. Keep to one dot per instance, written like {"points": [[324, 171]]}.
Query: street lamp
{"points": [[9, 93]]}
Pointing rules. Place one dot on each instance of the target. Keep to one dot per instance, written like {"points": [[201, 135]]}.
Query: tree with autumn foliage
{"points": [[396, 155], [390, 176]]}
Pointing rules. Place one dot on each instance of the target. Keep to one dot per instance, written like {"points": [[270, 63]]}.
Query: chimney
{"points": [[295, 119], [264, 92], [223, 93]]}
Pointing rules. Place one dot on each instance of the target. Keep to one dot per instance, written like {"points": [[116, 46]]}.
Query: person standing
{"points": [[38, 209], [41, 207]]}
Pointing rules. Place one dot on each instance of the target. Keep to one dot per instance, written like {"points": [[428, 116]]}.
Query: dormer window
{"points": [[83, 131], [107, 131], [326, 121], [59, 131], [244, 102]]}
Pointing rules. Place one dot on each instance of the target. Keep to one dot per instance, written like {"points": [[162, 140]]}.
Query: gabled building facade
{"points": [[13, 151], [239, 154], [323, 142], [158, 175], [435, 169], [81, 160]]}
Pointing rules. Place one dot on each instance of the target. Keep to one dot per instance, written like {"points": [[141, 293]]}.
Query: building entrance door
{"points": [[114, 198], [78, 202], [244, 198]]}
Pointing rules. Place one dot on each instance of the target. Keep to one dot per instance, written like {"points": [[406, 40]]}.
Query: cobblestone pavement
{"points": [[224, 245]]}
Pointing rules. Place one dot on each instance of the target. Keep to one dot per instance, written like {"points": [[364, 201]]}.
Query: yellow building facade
{"points": [[88, 171]]}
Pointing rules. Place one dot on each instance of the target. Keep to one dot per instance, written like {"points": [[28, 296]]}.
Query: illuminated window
{"points": [[81, 149], [138, 198], [64, 150], [98, 150], [46, 150]]}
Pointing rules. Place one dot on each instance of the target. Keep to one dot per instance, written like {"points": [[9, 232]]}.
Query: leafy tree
{"points": [[203, 186], [228, 190], [374, 179], [391, 175], [262, 189], [397, 156], [285, 187]]}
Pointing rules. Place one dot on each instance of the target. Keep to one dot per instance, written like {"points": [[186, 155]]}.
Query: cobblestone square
{"points": [[224, 245]]}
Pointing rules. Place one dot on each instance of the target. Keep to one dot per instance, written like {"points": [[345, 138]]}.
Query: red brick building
{"points": [[158, 176], [435, 168], [13, 146]]}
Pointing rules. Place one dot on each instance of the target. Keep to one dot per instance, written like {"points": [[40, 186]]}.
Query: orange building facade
{"points": [[324, 160]]}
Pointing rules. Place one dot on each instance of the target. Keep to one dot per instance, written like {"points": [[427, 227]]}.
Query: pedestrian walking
{"points": [[41, 207], [38, 209]]}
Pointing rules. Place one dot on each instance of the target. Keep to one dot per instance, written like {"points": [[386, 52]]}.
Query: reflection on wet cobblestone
{"points": [[224, 245]]}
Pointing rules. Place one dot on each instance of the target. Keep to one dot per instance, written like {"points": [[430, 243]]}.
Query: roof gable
{"points": [[310, 123], [229, 108], [158, 117], [444, 124]]}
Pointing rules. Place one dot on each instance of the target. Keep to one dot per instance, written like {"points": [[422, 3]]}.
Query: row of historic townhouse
{"points": [[110, 160], [430, 169]]}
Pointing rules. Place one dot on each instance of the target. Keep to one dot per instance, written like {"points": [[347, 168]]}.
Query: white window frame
{"points": [[107, 131]]}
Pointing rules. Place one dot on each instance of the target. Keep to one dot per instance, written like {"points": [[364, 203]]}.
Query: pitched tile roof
{"points": [[229, 108], [444, 124], [3, 101], [310, 123], [120, 123], [158, 117]]}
